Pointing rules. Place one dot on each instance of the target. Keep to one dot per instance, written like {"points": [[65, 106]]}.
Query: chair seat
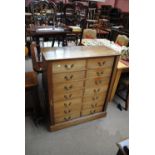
{"points": [[30, 79]]}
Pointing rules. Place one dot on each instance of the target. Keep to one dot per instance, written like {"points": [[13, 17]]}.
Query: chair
{"points": [[77, 16], [37, 61], [89, 34], [122, 40], [31, 89]]}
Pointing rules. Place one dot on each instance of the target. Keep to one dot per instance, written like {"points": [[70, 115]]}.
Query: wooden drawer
{"points": [[96, 91], [97, 82], [67, 106], [67, 96], [93, 104], [68, 77], [68, 66], [67, 117], [91, 111], [96, 98], [67, 87], [100, 72], [100, 63]]}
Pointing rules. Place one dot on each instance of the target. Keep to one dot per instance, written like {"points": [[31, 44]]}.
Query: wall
{"points": [[121, 4], [107, 2]]}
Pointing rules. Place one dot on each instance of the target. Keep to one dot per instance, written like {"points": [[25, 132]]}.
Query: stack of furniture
{"points": [[79, 82]]}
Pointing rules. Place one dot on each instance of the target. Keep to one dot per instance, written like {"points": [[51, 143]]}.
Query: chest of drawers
{"points": [[79, 80]]}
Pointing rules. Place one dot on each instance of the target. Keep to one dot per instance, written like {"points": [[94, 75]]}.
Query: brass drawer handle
{"points": [[97, 82], [69, 66], [68, 96], [68, 88], [99, 73], [94, 105], [95, 98], [92, 111], [67, 111], [101, 63], [67, 118], [66, 105], [68, 78], [97, 90]]}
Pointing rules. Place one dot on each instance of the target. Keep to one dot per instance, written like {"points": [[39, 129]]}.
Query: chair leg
{"points": [[53, 42]]}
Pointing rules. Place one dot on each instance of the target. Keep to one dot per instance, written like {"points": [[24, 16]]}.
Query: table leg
{"points": [[38, 47], [117, 77]]}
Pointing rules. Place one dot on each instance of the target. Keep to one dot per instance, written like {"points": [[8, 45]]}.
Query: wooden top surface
{"points": [[76, 52], [122, 65], [38, 30]]}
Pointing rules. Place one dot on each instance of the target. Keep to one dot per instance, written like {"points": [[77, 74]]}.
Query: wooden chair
{"points": [[122, 40], [31, 87], [75, 16], [37, 60], [89, 34]]}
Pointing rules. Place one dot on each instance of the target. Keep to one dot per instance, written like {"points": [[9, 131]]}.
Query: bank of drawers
{"points": [[96, 86], [79, 87]]}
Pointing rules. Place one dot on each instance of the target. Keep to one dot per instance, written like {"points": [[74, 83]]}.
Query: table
{"points": [[121, 67], [47, 31]]}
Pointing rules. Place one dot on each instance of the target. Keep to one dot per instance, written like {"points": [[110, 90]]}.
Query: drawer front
{"points": [[95, 98], [100, 63], [93, 104], [67, 117], [91, 111], [67, 106], [101, 72], [67, 96], [68, 77], [68, 66], [96, 91], [67, 87], [96, 82]]}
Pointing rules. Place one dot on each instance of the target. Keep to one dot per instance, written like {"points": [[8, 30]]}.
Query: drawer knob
{"points": [[101, 63], [69, 66], [68, 78]]}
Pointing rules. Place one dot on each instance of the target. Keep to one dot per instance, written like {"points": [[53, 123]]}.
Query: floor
{"points": [[97, 137]]}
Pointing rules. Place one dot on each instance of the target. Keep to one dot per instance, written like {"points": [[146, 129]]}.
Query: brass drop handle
{"points": [[98, 82], [68, 97], [92, 112], [67, 111], [67, 118], [99, 73], [68, 78], [92, 105], [95, 98], [68, 88], [96, 90], [66, 105], [69, 66], [101, 63]]}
